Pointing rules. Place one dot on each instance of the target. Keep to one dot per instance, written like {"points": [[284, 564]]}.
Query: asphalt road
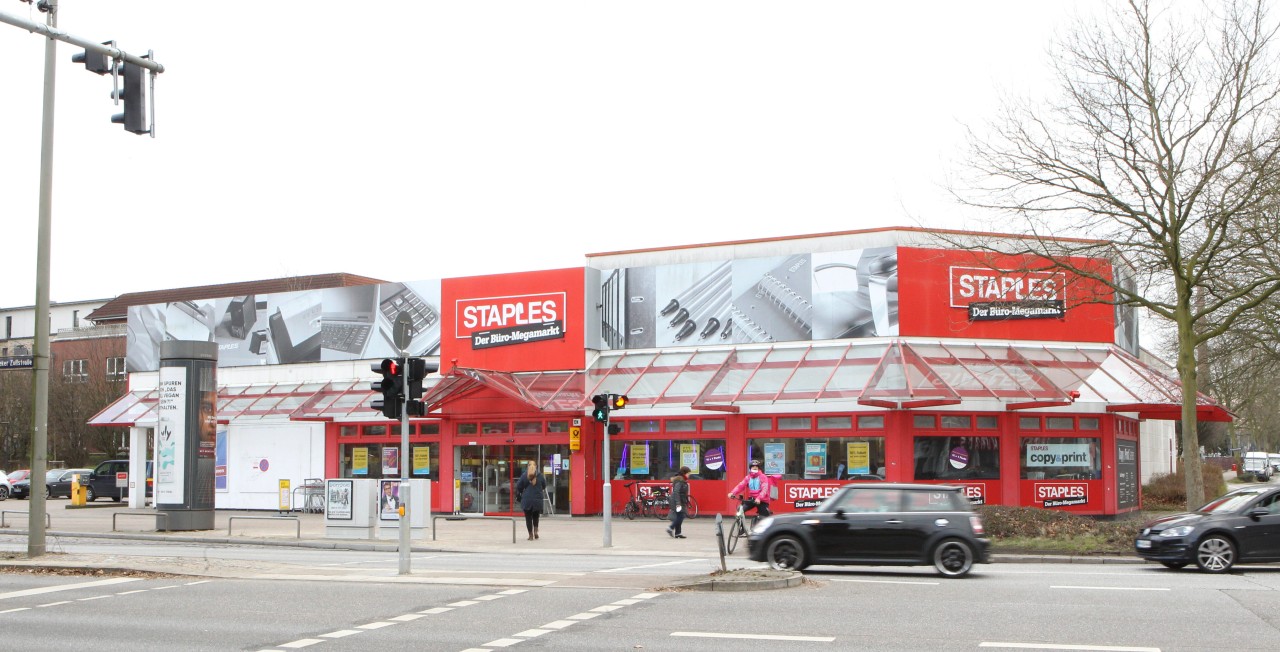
{"points": [[1001, 606]]}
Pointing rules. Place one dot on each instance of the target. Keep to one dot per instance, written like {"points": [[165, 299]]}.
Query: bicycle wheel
{"points": [[691, 508], [735, 532], [629, 511], [661, 508]]}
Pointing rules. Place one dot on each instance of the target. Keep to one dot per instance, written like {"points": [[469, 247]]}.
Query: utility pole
{"points": [[40, 359]]}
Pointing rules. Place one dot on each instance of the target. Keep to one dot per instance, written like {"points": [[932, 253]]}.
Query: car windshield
{"points": [[1231, 502]]}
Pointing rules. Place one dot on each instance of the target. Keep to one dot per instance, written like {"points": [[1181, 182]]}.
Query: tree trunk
{"points": [[1190, 437]]}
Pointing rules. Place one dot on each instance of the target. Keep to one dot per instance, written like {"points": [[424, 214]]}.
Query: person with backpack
{"points": [[755, 490]]}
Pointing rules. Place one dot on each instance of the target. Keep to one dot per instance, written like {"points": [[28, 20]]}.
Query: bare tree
{"points": [[1163, 144]]}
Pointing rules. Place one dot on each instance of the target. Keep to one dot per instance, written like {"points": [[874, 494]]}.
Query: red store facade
{"points": [[852, 357]]}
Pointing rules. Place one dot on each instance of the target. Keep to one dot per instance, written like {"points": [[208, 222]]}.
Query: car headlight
{"points": [[1180, 531], [762, 525]]}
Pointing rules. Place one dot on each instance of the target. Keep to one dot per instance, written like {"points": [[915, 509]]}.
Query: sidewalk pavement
{"points": [[560, 534]]}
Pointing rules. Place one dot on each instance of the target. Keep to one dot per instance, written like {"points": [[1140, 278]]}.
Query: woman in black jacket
{"points": [[529, 488], [679, 501]]}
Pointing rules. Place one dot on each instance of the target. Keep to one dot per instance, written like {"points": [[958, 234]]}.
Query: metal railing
{"points": [[160, 517], [47, 521]]}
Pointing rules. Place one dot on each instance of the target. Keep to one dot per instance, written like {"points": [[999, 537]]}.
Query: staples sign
{"points": [[979, 285], [1063, 494], [504, 321]]}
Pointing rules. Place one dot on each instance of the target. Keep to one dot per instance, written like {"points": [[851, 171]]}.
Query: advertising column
{"points": [[186, 428]]}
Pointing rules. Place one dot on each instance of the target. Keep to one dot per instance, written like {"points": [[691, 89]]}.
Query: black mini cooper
{"points": [[1241, 527], [877, 525]]}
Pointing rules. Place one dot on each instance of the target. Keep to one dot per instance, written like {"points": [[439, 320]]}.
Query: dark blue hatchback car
{"points": [[1241, 527]]}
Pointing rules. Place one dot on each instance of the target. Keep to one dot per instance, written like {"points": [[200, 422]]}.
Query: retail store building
{"points": [[895, 354]]}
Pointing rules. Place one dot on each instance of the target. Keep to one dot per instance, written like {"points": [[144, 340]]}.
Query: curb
{"points": [[749, 582]]}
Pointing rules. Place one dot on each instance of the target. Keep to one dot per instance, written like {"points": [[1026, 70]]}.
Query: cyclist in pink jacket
{"points": [[755, 488]]}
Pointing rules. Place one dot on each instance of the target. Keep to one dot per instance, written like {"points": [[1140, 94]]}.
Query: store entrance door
{"points": [[488, 476]]}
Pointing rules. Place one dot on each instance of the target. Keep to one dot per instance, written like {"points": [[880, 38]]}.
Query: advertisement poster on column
{"points": [[171, 419]]}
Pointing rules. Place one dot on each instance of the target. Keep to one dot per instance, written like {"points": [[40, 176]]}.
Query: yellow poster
{"points": [[421, 460], [360, 461], [639, 459], [859, 457]]}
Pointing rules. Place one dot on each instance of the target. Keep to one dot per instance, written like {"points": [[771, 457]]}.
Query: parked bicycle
{"points": [[657, 504], [741, 527], [636, 504]]}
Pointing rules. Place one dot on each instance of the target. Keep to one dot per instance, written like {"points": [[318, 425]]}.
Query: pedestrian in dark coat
{"points": [[530, 488], [679, 501]]}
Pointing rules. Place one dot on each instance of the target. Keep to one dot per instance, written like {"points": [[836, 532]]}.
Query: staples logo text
{"points": [[975, 284]]}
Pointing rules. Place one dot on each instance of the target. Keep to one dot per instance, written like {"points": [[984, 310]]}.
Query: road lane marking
{"points": [[67, 587], [463, 603], [586, 615], [628, 601], [406, 618], [173, 586], [558, 624], [666, 563], [530, 633], [885, 582], [497, 596], [342, 633], [9, 611], [302, 642], [757, 637], [199, 582], [1110, 588], [133, 591], [375, 625], [645, 596], [436, 610], [96, 597], [54, 604], [503, 642], [607, 608], [513, 591], [1048, 646]]}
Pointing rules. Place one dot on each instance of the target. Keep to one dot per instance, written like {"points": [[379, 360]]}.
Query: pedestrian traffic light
{"points": [[601, 411], [94, 61], [418, 370], [617, 401], [132, 95], [391, 387], [615, 428]]}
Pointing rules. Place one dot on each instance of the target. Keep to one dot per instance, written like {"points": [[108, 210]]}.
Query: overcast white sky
{"points": [[410, 140]]}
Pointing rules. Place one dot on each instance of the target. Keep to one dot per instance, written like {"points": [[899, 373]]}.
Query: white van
{"points": [[1274, 458], [1259, 464]]}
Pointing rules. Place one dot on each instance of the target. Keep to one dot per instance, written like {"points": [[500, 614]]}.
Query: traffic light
{"points": [[131, 93], [601, 411], [391, 387], [615, 428], [418, 370], [93, 61], [617, 401]]}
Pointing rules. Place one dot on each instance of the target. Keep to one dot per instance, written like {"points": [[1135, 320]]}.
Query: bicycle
{"points": [[740, 529], [660, 504]]}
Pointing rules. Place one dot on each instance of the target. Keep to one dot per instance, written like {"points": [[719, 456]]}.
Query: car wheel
{"points": [[115, 499], [1175, 565], [1215, 554], [4, 492], [47, 493], [786, 553], [953, 558], [89, 495]]}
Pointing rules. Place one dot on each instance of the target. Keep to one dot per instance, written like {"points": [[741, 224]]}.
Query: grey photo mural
{"points": [[347, 323], [833, 295]]}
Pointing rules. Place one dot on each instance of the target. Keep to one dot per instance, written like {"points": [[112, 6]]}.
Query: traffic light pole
{"points": [[608, 486], [406, 524]]}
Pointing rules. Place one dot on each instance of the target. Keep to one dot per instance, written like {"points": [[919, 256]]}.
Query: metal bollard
{"points": [[720, 541]]}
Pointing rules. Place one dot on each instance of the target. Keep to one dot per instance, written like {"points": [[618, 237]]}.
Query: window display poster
{"points": [[421, 460], [388, 500], [714, 458], [775, 458], [689, 456], [1061, 455], [360, 461], [815, 459], [639, 459], [390, 460], [859, 455], [338, 503]]}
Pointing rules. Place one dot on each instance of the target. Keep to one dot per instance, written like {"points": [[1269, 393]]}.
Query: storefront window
{"points": [[1061, 458], [643, 426], [682, 425], [376, 461], [1029, 423], [713, 425], [1060, 423], [430, 428], [495, 428], [759, 424], [956, 422], [528, 427], [557, 426], [1088, 423], [348, 431], [467, 429], [794, 423], [925, 422], [957, 458], [375, 430], [988, 423], [871, 422], [835, 423], [835, 458], [660, 459]]}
